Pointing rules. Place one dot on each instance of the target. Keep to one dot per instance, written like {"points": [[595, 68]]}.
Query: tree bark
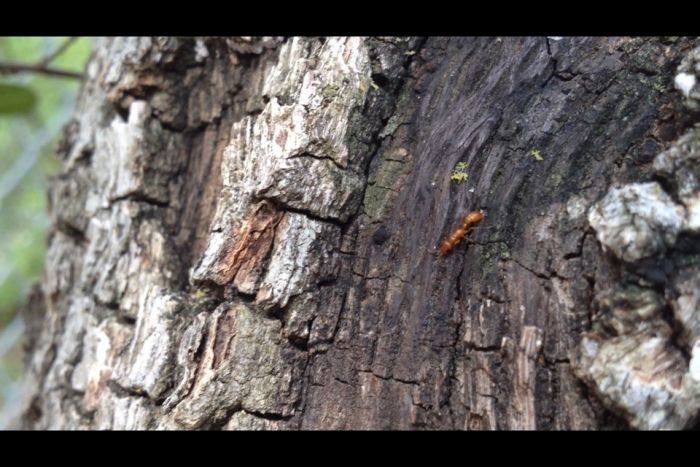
{"points": [[245, 237]]}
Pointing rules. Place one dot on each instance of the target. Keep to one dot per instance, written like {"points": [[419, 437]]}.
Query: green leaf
{"points": [[16, 99]]}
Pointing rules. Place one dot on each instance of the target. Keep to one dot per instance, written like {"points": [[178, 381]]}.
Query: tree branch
{"points": [[42, 66], [7, 68], [61, 48]]}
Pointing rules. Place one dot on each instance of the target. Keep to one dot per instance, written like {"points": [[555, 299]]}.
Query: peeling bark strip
{"points": [[528, 350], [253, 241], [245, 237]]}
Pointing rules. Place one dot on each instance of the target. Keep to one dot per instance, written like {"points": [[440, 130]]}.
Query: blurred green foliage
{"points": [[16, 99], [26, 158], [33, 109]]}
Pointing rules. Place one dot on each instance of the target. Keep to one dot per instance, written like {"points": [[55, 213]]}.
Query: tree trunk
{"points": [[245, 235]]}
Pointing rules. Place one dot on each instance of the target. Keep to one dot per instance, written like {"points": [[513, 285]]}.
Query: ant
{"points": [[453, 240]]}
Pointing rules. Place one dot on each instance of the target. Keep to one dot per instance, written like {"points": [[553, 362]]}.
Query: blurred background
{"points": [[39, 80]]}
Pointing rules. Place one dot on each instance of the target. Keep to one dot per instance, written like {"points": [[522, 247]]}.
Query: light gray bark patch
{"points": [[633, 364], [124, 153], [189, 351], [243, 420], [686, 307], [680, 164], [124, 413], [644, 378], [302, 247], [294, 154], [687, 80], [637, 220], [103, 345], [252, 45], [147, 366], [242, 366]]}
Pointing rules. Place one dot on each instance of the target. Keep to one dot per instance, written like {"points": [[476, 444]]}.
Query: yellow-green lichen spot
{"points": [[537, 154], [198, 294], [459, 174]]}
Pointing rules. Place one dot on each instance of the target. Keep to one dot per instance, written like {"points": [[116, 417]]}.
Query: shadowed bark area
{"points": [[245, 236]]}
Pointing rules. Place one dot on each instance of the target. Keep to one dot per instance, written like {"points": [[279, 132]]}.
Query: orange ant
{"points": [[462, 231]]}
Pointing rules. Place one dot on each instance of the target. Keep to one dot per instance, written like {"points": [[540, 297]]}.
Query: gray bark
{"points": [[244, 236]]}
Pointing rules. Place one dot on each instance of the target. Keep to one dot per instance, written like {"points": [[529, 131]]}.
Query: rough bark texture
{"points": [[245, 232]]}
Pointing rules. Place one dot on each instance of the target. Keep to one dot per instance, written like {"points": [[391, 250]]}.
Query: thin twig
{"points": [[11, 68], [61, 48]]}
